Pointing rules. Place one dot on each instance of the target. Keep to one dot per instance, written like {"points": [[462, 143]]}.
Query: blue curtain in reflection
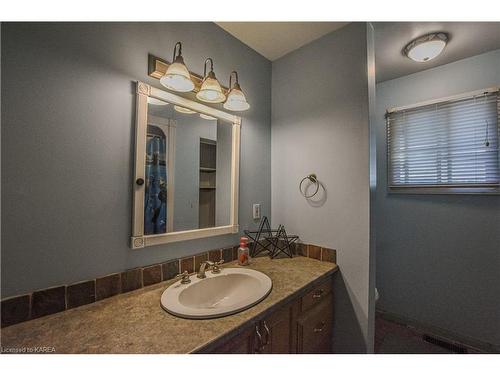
{"points": [[155, 204]]}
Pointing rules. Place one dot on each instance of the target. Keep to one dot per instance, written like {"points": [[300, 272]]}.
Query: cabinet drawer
{"points": [[314, 328], [315, 296]]}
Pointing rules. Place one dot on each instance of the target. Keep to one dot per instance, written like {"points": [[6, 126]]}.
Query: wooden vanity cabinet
{"points": [[275, 331], [270, 335], [314, 328], [243, 343], [302, 326], [313, 325]]}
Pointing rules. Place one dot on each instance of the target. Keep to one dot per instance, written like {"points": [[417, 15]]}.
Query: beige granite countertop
{"points": [[134, 322]]}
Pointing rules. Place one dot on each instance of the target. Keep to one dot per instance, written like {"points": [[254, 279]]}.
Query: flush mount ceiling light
{"points": [[177, 77], [183, 110], [426, 47], [155, 101], [210, 90], [207, 117], [236, 100]]}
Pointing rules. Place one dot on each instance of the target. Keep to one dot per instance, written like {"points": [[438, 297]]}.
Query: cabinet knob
{"points": [[320, 327], [139, 181], [318, 294]]}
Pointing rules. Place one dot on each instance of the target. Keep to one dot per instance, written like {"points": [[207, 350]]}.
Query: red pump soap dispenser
{"points": [[243, 252]]}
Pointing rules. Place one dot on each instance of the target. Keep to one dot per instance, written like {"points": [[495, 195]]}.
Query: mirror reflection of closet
{"points": [[188, 170], [208, 178]]}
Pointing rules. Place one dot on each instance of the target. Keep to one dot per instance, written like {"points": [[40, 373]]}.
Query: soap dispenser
{"points": [[243, 252]]}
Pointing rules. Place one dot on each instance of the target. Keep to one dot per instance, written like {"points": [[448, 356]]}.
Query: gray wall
{"points": [[320, 124], [67, 143], [438, 257]]}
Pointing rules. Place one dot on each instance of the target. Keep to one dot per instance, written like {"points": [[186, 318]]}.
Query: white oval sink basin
{"points": [[231, 291]]}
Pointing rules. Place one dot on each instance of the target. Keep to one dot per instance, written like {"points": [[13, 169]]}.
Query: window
{"points": [[450, 146]]}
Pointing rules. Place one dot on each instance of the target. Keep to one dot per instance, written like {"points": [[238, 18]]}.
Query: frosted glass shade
{"points": [[207, 117], [183, 110], [155, 101], [236, 100], [427, 47], [177, 77], [426, 51], [211, 91]]}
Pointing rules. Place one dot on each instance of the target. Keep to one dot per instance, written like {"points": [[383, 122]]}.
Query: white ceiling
{"points": [[275, 39], [466, 39]]}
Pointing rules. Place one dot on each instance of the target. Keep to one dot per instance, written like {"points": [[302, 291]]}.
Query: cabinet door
{"points": [[314, 328], [275, 331], [244, 343]]}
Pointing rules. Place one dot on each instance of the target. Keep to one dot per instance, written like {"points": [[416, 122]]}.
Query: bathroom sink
{"points": [[231, 291]]}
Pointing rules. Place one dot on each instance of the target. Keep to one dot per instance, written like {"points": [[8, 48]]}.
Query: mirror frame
{"points": [[138, 239]]}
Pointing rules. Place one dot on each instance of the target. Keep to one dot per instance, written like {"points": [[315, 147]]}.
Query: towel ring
{"points": [[312, 177]]}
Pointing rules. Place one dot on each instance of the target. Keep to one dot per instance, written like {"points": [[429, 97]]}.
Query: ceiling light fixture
{"points": [[177, 77], [183, 110], [210, 91], [236, 100], [427, 47]]}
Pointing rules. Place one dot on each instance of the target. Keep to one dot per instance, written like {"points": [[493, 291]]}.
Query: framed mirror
{"points": [[186, 169]]}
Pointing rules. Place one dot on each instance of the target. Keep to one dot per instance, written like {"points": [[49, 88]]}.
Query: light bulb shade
{"points": [[183, 110], [236, 100], [177, 77], [210, 90], [155, 101], [207, 117], [427, 47]]}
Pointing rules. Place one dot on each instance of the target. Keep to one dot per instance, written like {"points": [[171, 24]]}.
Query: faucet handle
{"points": [[184, 276], [215, 266]]}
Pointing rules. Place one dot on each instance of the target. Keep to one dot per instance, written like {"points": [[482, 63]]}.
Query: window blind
{"points": [[453, 143]]}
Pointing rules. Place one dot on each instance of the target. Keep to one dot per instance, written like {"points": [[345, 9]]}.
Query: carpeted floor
{"points": [[393, 338]]}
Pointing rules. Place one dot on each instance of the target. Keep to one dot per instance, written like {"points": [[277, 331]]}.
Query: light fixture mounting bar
{"points": [[158, 66]]}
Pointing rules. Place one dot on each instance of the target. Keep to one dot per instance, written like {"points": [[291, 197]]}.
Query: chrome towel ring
{"points": [[313, 179]]}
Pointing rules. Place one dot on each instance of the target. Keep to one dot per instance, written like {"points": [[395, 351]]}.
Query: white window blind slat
{"points": [[449, 144]]}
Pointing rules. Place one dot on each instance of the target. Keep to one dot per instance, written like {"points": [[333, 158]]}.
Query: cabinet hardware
{"points": [[259, 337], [318, 294], [139, 181], [268, 333], [320, 328]]}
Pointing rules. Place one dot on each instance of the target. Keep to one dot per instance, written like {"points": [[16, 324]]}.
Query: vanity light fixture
{"points": [[177, 77], [236, 100], [183, 110], [427, 47], [210, 90], [155, 101], [207, 117]]}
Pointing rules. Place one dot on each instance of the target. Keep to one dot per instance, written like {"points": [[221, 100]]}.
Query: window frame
{"points": [[474, 189]]}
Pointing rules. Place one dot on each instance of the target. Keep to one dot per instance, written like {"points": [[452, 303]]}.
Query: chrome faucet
{"points": [[211, 265], [215, 267], [184, 277], [203, 267]]}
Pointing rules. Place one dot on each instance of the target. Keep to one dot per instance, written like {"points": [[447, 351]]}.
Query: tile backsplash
{"points": [[56, 299]]}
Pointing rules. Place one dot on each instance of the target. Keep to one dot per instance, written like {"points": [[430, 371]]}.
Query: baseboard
{"points": [[440, 333]]}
